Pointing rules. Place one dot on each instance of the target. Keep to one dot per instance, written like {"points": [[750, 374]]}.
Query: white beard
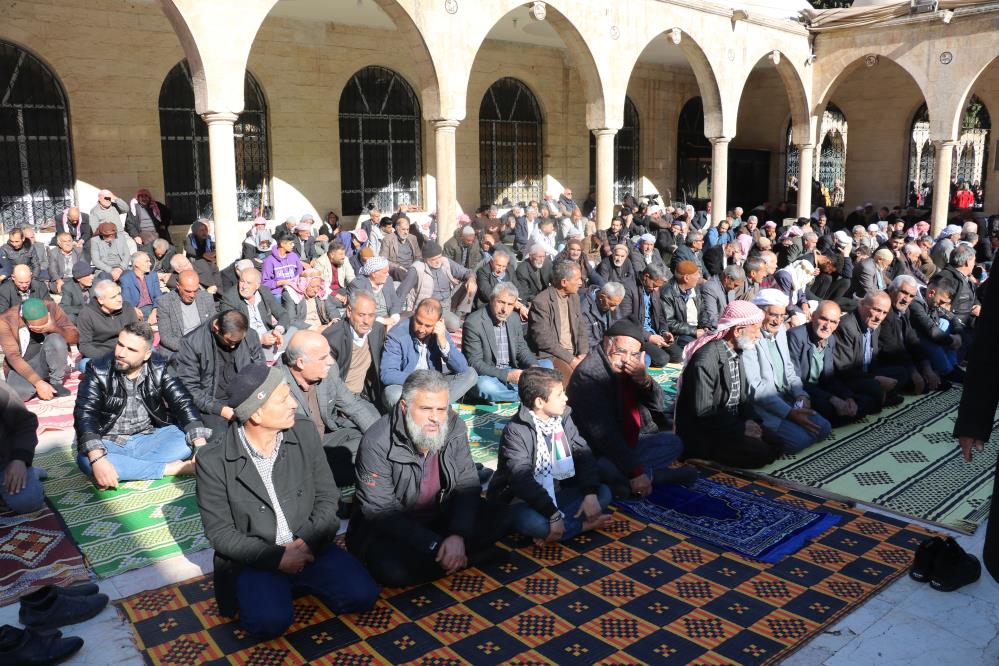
{"points": [[425, 442]]}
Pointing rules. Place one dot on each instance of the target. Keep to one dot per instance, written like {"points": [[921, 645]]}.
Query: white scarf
{"points": [[552, 461]]}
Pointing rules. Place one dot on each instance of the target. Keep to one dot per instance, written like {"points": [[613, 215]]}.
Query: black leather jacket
{"points": [[101, 400], [675, 309]]}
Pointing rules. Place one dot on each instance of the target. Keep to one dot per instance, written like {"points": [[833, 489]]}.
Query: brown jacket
{"points": [[390, 248], [542, 327], [10, 342]]}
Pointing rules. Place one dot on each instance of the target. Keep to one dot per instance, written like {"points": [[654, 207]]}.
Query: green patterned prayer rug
{"points": [[119, 530], [486, 422], [905, 460]]}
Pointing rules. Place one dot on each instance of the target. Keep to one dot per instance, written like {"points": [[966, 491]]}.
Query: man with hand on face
{"points": [[419, 515], [713, 415], [268, 502], [618, 409], [133, 420], [419, 343], [209, 359]]}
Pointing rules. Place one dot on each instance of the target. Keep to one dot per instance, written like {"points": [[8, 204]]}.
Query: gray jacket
{"points": [[337, 405], [171, 319], [59, 262], [108, 256], [769, 404], [478, 343]]}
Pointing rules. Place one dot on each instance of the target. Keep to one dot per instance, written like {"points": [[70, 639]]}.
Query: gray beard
{"points": [[744, 343], [425, 443]]}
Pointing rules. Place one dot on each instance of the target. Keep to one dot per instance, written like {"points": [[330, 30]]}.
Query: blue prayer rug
{"points": [[751, 525]]}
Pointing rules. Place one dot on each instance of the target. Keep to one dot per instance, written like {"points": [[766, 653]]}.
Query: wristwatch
{"points": [[557, 516]]}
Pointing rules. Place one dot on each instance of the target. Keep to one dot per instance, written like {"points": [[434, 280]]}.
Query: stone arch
{"points": [[955, 115], [704, 74], [794, 87], [600, 112]]}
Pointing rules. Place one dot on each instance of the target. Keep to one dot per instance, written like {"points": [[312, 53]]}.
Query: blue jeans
{"points": [[143, 457], [941, 358], [31, 498], [490, 389], [530, 523], [794, 438], [336, 577], [653, 452]]}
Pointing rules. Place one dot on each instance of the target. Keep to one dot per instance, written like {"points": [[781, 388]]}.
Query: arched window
{"points": [[693, 154], [831, 165], [379, 142], [36, 169], [510, 144], [184, 142], [625, 154], [922, 152]]}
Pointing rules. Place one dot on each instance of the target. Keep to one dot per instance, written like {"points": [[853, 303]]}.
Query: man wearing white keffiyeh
{"points": [[546, 470]]}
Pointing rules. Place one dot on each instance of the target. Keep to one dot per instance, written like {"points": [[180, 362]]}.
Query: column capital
{"points": [[604, 131], [220, 117], [946, 143], [445, 124], [805, 146], [719, 139]]}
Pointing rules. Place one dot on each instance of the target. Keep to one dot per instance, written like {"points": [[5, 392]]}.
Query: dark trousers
{"points": [[336, 577], [867, 393], [746, 452], [49, 364], [341, 450], [675, 350], [658, 356], [900, 373], [395, 564]]}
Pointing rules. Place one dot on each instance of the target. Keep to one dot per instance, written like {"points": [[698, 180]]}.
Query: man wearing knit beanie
{"points": [[39, 365], [713, 416], [268, 503], [440, 278]]}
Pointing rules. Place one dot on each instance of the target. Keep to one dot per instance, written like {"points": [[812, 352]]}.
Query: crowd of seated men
{"points": [[324, 358]]}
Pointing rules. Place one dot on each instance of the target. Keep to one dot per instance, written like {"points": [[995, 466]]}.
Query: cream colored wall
{"points": [[987, 89], [878, 103]]}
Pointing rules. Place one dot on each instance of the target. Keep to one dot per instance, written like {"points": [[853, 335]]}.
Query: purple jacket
{"points": [[275, 268]]}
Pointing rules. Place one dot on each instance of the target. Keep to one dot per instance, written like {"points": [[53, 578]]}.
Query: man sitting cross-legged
{"points": [[131, 415], [493, 342], [776, 394], [268, 502], [340, 417], [712, 406], [546, 465], [619, 410], [418, 512]]}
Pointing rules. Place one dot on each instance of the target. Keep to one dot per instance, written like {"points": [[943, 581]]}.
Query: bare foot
{"points": [[179, 468], [600, 522]]}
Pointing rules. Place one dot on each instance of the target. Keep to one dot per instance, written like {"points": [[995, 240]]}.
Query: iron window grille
{"points": [[626, 153], [36, 165], [380, 142], [510, 144], [184, 141], [831, 165]]}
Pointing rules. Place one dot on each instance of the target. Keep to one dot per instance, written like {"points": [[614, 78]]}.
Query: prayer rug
{"points": [[631, 593], [734, 519], [57, 414], [35, 551], [119, 530], [904, 460], [486, 422]]}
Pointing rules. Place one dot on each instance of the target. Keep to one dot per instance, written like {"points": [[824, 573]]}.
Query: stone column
{"points": [[446, 178], [806, 153], [222, 155], [941, 183], [605, 176], [719, 178]]}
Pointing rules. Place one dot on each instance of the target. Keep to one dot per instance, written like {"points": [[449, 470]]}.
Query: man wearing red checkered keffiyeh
{"points": [[713, 416]]}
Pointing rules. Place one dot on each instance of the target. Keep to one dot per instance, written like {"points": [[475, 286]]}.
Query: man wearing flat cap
{"points": [[630, 433], [268, 503], [78, 293], [442, 279], [109, 251]]}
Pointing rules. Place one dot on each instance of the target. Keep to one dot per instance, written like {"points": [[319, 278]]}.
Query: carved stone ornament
{"points": [[539, 11], [871, 60], [451, 6], [615, 32], [946, 58]]}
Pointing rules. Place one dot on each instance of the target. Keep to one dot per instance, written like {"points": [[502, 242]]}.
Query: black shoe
{"points": [[24, 647], [956, 376], [620, 491], [684, 476], [484, 475], [59, 610], [954, 568], [41, 596], [60, 390], [945, 385], [922, 564], [893, 399]]}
